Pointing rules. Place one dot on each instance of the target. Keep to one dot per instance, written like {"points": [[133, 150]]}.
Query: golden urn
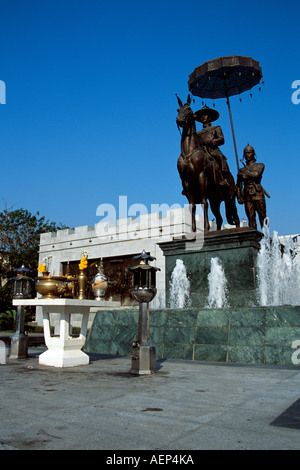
{"points": [[51, 287]]}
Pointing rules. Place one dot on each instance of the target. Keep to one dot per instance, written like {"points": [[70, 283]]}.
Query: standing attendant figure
{"points": [[249, 189]]}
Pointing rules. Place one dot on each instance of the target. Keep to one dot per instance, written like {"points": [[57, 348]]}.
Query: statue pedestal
{"points": [[237, 250], [64, 350]]}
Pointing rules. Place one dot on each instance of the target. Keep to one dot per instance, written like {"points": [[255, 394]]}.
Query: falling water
{"points": [[179, 286], [217, 283], [278, 275]]}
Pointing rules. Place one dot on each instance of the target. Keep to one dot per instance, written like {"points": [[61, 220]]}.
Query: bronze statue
{"points": [[210, 137], [200, 169], [249, 190]]}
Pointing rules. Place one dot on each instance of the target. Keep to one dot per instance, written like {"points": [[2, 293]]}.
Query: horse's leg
{"points": [[215, 208], [231, 212], [188, 191], [185, 188], [194, 228], [234, 209], [205, 214], [204, 200], [192, 208], [230, 204], [235, 214]]}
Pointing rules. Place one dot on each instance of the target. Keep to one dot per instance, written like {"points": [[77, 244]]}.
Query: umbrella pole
{"points": [[233, 135]]}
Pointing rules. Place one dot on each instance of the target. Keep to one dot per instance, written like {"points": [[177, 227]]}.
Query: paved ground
{"points": [[184, 406]]}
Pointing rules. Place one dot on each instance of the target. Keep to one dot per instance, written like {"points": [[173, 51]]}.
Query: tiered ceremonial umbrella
{"points": [[224, 77]]}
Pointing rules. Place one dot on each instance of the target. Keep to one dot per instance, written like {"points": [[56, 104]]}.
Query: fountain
{"points": [[278, 275], [237, 251], [217, 282], [179, 286]]}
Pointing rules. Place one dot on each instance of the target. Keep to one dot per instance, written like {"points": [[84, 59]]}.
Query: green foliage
{"points": [[8, 320], [19, 244], [5, 296], [19, 238]]}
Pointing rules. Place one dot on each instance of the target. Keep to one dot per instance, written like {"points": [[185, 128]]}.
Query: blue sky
{"points": [[90, 101]]}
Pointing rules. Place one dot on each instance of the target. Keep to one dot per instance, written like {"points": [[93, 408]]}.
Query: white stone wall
{"points": [[296, 237]]}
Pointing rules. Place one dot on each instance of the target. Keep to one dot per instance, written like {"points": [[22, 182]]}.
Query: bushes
{"points": [[19, 244], [8, 320]]}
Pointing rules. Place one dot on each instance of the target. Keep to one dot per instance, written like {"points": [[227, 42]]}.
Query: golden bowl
{"points": [[51, 287]]}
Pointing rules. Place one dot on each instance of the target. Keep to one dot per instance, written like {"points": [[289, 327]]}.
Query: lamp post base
{"points": [[18, 340], [143, 351], [143, 360], [18, 346]]}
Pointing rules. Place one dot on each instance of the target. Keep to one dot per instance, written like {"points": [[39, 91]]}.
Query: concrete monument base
{"points": [[237, 251]]}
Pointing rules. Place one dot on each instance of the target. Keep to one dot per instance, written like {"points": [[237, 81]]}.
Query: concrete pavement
{"points": [[184, 406]]}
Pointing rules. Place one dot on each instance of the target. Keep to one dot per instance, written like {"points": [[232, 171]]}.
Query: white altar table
{"points": [[63, 350]]}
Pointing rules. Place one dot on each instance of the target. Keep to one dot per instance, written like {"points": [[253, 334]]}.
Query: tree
{"points": [[19, 244]]}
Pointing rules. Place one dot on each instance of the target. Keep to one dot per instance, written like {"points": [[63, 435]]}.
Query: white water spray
{"points": [[179, 286], [278, 275], [217, 283]]}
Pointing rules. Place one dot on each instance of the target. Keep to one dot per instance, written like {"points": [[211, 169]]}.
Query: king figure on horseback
{"points": [[210, 138], [203, 168]]}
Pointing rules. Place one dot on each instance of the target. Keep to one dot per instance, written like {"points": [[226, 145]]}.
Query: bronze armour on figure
{"points": [[249, 189]]}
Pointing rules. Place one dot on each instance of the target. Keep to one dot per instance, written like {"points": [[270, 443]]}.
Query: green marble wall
{"points": [[257, 335]]}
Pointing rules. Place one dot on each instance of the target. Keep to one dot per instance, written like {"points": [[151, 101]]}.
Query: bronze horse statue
{"points": [[198, 169]]}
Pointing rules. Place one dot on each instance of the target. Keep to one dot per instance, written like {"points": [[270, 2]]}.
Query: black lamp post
{"points": [[22, 288], [144, 290]]}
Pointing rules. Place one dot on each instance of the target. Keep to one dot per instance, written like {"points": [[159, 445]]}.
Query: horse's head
{"points": [[185, 116]]}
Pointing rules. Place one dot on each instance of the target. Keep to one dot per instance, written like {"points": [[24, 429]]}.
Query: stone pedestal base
{"points": [[237, 250], [63, 358]]}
